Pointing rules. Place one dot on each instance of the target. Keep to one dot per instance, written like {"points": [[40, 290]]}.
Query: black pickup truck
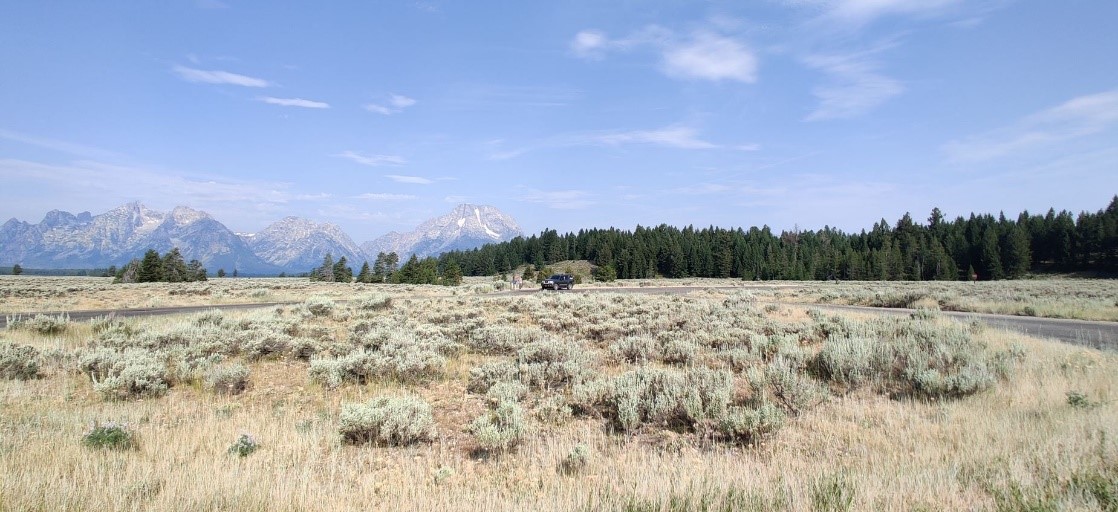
{"points": [[558, 282]]}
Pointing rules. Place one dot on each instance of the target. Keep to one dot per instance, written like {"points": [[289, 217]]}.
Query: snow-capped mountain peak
{"points": [[466, 227]]}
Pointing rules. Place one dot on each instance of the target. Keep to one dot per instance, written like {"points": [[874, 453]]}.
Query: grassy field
{"points": [[1083, 299], [427, 398]]}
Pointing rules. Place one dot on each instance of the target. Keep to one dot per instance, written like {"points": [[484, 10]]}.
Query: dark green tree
{"points": [[324, 272], [195, 271], [174, 268], [151, 268], [220, 272], [452, 275], [342, 272], [17, 269], [365, 275]]}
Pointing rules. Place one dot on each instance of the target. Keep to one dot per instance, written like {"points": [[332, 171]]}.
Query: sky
{"points": [[377, 115]]}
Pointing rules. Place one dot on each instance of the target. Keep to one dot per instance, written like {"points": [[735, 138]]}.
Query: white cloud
{"points": [[417, 180], [370, 196], [218, 77], [557, 199], [1075, 118], [700, 55], [294, 102], [372, 160], [589, 44], [396, 104], [676, 137], [708, 56], [854, 85]]}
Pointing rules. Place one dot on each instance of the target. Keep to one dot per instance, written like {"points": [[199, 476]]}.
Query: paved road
{"points": [[1102, 335]]}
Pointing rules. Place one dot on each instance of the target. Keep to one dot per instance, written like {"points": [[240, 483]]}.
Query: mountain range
{"points": [[292, 244]]}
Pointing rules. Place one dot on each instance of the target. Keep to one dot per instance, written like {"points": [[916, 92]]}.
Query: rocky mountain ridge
{"points": [[292, 244]]}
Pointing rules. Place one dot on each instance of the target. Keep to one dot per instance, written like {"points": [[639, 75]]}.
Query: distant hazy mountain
{"points": [[299, 244], [64, 240], [467, 227]]}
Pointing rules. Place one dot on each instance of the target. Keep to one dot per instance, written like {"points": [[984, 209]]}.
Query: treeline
{"points": [[386, 269], [980, 247], [153, 268]]}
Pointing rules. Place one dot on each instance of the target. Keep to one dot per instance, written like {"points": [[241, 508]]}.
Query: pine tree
{"points": [[17, 269], [452, 276], [174, 268], [1016, 256], [342, 273], [220, 272], [364, 276], [324, 272], [151, 268], [195, 271]]}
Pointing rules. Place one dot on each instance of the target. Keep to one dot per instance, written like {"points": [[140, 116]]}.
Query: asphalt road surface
{"points": [[1101, 335]]}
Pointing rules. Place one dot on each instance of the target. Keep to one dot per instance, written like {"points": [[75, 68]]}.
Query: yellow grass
{"points": [[891, 454]]}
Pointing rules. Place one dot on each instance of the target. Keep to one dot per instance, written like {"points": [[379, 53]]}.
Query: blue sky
{"points": [[571, 114]]}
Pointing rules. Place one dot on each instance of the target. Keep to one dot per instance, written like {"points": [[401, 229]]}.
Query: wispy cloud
{"points": [[294, 102], [416, 180], [854, 85], [59, 146], [676, 137], [211, 4], [371, 196], [1075, 118], [396, 104], [679, 137], [703, 54], [455, 199], [372, 160], [858, 13], [218, 77], [557, 199]]}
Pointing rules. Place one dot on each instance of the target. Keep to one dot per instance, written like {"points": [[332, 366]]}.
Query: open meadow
{"points": [[396, 397]]}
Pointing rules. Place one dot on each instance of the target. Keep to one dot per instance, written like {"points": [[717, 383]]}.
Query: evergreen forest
{"points": [[981, 247]]}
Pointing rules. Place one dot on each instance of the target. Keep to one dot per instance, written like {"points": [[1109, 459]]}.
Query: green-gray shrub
{"points": [[501, 428], [397, 360], [42, 324], [19, 361], [374, 302], [679, 352], [575, 461], [483, 377], [244, 446], [747, 425], [671, 398], [319, 306], [552, 364], [387, 420], [506, 391], [791, 387], [231, 379], [635, 349], [111, 436], [121, 375], [847, 360], [501, 339]]}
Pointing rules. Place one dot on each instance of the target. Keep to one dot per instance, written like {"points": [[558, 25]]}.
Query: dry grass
{"points": [[1083, 299], [884, 453]]}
